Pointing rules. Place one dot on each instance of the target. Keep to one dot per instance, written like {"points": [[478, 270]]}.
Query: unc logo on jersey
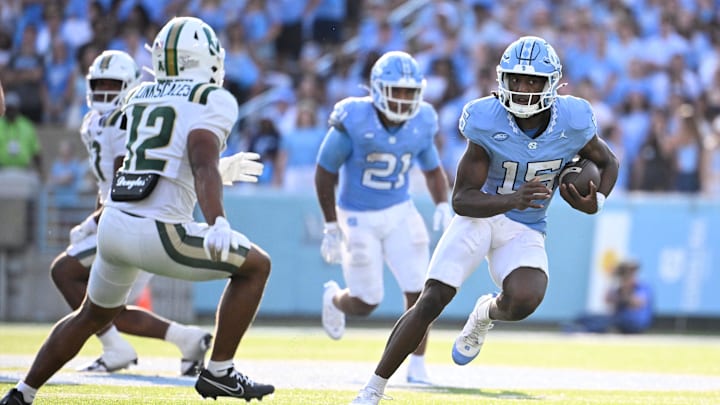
{"points": [[532, 145], [500, 136]]}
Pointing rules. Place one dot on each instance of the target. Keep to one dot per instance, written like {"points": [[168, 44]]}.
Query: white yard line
{"points": [[343, 375]]}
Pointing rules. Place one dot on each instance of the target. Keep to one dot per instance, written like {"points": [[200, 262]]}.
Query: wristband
{"points": [[600, 197], [330, 227]]}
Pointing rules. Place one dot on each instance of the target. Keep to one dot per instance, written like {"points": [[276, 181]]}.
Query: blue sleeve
{"points": [[429, 158], [334, 150]]}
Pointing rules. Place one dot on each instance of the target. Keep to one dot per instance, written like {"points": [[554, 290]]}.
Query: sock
{"points": [[27, 391], [377, 383], [219, 368], [487, 313], [175, 334], [185, 337], [110, 338], [416, 362]]}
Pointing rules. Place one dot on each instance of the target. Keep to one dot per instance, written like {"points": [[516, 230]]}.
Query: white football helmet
{"points": [[187, 48], [111, 65], [396, 69], [529, 56]]}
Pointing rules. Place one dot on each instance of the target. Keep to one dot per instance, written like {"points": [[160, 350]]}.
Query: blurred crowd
{"points": [[650, 68]]}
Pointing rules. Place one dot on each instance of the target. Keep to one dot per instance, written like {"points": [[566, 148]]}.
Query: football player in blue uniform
{"points": [[371, 145], [518, 141]]}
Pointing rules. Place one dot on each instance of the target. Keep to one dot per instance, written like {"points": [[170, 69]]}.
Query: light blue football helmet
{"points": [[529, 56], [396, 69]]}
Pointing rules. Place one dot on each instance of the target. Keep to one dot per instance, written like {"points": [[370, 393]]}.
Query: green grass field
{"points": [[673, 356]]}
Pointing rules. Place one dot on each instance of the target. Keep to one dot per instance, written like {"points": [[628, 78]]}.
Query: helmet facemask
{"points": [[115, 66], [106, 99], [536, 102], [395, 107], [530, 56]]}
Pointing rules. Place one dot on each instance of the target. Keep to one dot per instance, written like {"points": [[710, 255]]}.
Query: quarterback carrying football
{"points": [[518, 141]]}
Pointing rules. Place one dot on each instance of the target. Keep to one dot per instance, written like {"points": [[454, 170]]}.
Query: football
{"points": [[580, 173]]}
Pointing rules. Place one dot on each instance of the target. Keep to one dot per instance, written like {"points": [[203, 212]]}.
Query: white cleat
{"points": [[333, 319], [418, 376], [193, 360], [113, 359], [368, 396], [467, 346]]}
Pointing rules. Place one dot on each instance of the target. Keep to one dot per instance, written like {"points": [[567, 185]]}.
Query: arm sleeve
{"points": [[429, 158], [334, 150]]}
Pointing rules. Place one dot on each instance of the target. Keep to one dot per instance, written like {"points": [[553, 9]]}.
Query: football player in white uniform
{"points": [[177, 126], [111, 75]]}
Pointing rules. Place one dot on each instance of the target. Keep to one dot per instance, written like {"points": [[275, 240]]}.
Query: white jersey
{"points": [[160, 116], [105, 141]]}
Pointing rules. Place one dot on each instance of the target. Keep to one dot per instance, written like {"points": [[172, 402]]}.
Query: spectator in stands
{"points": [[689, 154], [24, 74], [654, 169], [66, 175], [328, 25], [261, 29], [265, 141], [289, 41], [630, 301], [242, 77], [298, 148], [19, 143], [78, 104], [57, 91]]}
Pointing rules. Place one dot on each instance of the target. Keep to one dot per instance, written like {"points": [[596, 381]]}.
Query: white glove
{"points": [[242, 166], [332, 243], [83, 230], [442, 216], [219, 239]]}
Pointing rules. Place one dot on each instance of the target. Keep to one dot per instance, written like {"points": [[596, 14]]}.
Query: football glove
{"points": [[219, 239], [332, 243], [242, 166], [442, 216], [83, 230]]}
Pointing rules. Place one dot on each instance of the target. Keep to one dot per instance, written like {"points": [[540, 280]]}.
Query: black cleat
{"points": [[233, 384], [13, 397]]}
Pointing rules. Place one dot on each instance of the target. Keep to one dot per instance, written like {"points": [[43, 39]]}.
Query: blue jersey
{"points": [[516, 158], [373, 161]]}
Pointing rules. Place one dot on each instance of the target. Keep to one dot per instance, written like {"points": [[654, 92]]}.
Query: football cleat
{"points": [[468, 344], [418, 375], [193, 361], [113, 359], [333, 319], [368, 396], [13, 397], [233, 384]]}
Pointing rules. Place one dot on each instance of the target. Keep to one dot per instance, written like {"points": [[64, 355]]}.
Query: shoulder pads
{"points": [[580, 113]]}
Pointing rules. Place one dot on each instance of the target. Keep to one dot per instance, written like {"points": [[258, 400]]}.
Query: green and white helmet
{"points": [[187, 48]]}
